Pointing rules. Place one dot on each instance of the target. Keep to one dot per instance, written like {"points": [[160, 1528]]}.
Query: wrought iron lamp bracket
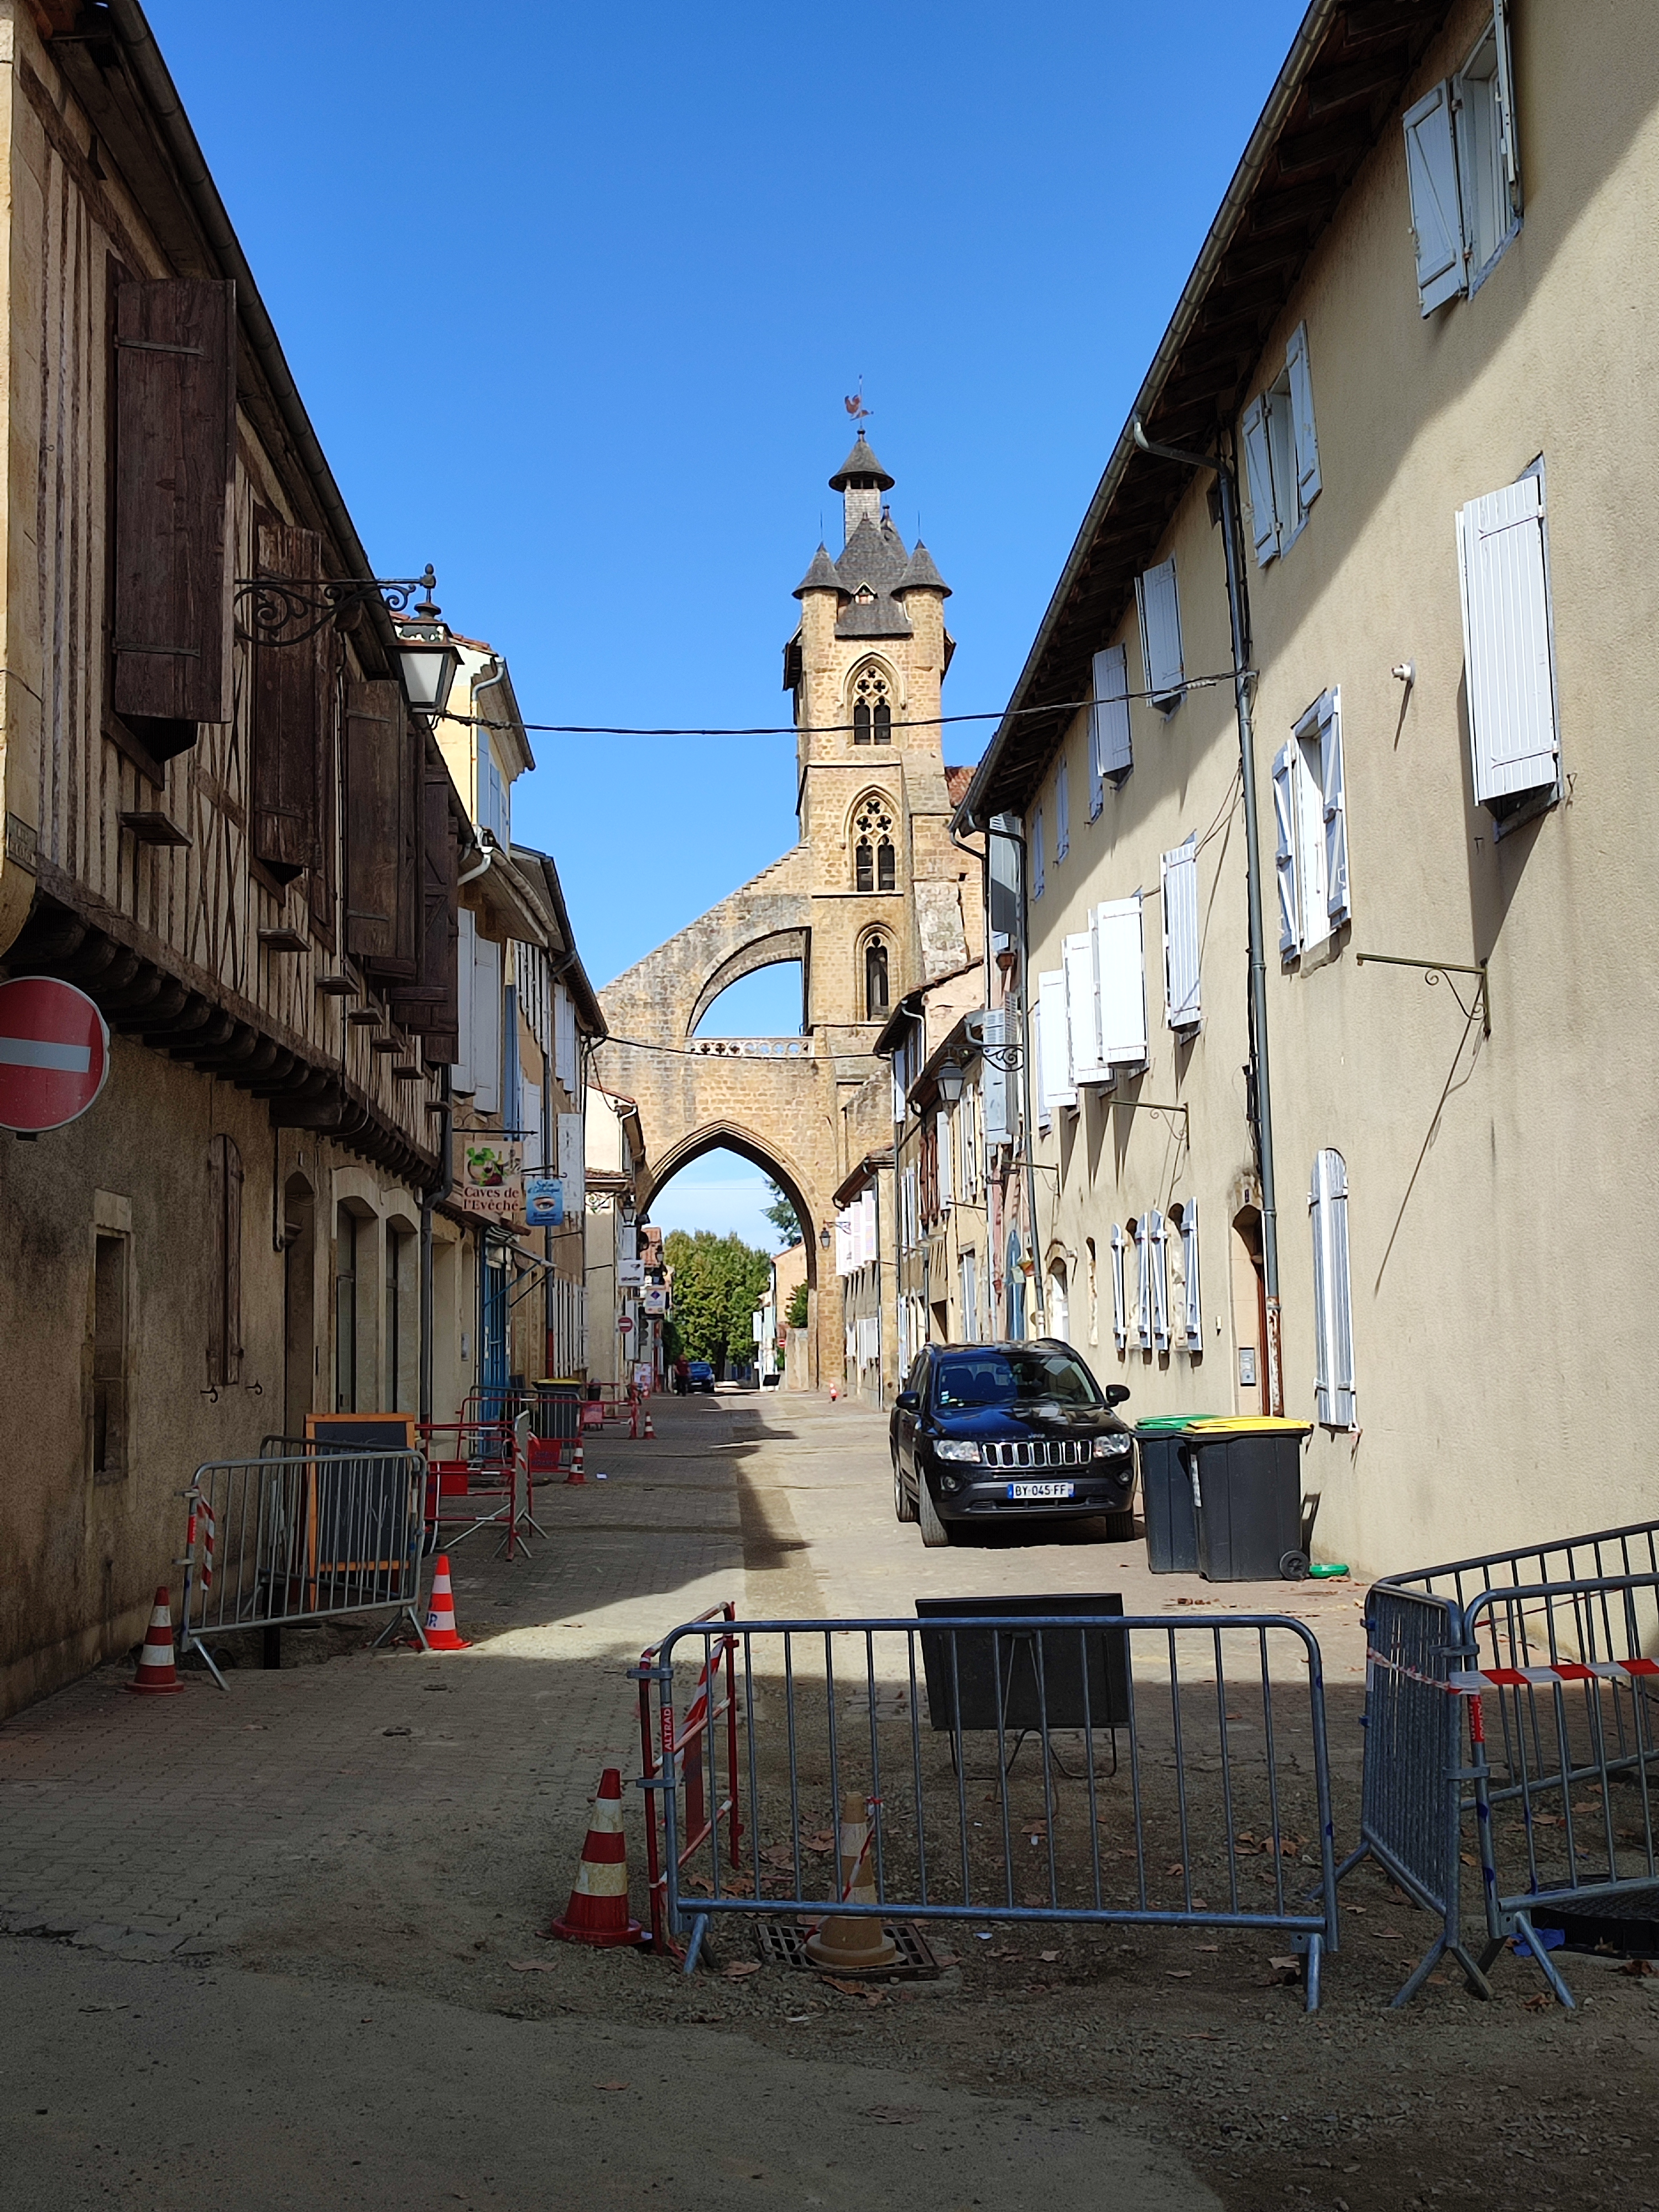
{"points": [[292, 610]]}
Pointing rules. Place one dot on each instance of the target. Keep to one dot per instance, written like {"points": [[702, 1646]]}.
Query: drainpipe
{"points": [[1261, 1087], [1038, 1312], [428, 1200]]}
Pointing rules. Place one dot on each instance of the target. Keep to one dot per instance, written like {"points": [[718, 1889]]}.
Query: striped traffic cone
{"points": [[575, 1474], [840, 1943], [441, 1633], [598, 1911], [156, 1671], [650, 1433]]}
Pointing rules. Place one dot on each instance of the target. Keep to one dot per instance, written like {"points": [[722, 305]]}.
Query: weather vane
{"points": [[855, 404]]}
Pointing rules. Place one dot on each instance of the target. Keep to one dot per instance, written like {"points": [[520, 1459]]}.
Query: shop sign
{"points": [[544, 1201], [488, 1175]]}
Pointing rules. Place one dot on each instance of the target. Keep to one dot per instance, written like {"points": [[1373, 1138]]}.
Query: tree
{"points": [[796, 1316], [717, 1282], [782, 1215]]}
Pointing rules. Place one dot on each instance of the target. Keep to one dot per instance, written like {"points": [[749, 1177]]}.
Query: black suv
{"points": [[984, 1433]]}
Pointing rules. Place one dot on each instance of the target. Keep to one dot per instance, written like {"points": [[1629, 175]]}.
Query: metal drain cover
{"points": [[783, 1943]]}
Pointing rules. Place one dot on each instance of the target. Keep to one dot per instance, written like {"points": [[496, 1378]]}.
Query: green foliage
{"points": [[718, 1281], [796, 1316], [782, 1215]]}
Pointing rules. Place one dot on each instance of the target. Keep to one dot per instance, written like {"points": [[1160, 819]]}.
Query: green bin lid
{"points": [[1218, 1425], [1157, 1425]]}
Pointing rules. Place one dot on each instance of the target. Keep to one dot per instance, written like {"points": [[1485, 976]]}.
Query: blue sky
{"points": [[574, 308]]}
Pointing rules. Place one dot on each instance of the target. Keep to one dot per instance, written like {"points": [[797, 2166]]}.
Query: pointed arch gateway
{"points": [[813, 1208]]}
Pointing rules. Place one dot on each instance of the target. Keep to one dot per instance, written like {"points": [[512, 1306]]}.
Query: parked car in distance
{"points": [[702, 1376], [984, 1433]]}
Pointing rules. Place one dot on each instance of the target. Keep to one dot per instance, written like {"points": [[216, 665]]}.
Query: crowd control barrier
{"points": [[479, 1477], [1511, 1711], [1141, 1771], [301, 1537]]}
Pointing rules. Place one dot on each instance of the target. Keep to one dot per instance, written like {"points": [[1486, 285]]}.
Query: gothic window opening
{"points": [[875, 859], [873, 708], [877, 1002]]}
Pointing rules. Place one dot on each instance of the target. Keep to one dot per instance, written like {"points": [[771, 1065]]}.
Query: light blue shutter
{"points": [[1302, 417], [1180, 883], [1511, 151], [993, 1080], [1193, 1333], [1160, 634], [1506, 641], [1259, 469], [1336, 807], [1334, 1399], [1119, 1295], [461, 1076], [1121, 964], [1109, 720], [1437, 218], [1083, 1009], [1005, 852], [1062, 814], [487, 1023], [1290, 933], [1038, 875], [1156, 1231]]}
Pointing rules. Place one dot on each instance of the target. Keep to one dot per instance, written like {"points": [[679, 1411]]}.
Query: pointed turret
{"points": [[820, 577], [860, 480], [920, 576]]}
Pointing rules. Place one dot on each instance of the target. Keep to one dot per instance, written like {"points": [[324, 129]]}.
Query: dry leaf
{"points": [[610, 2085], [1637, 1967], [1209, 1946], [945, 1957], [1285, 1962], [896, 2116], [847, 1989], [1468, 1858], [1538, 2003], [1176, 1868], [533, 1965], [743, 1968], [1179, 1973], [1047, 1957]]}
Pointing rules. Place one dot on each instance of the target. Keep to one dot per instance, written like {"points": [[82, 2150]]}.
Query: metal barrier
{"points": [[459, 1453], [1221, 1793], [1557, 1642], [275, 1542], [685, 1746]]}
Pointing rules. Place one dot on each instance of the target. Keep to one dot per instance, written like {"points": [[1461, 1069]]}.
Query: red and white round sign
{"points": [[54, 1052]]}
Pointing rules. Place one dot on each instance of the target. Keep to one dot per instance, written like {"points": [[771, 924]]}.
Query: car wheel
{"points": [[902, 1508], [1119, 1526], [933, 1530]]}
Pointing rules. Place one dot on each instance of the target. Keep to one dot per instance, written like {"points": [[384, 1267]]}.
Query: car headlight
{"points": [[1112, 1447], [950, 1447]]}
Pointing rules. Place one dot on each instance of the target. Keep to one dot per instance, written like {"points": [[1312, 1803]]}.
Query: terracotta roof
{"points": [[956, 781]]}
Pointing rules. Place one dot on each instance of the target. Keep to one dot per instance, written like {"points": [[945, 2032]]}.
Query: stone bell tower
{"points": [[893, 902]]}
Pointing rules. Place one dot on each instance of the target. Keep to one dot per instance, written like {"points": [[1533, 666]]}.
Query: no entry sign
{"points": [[54, 1052]]}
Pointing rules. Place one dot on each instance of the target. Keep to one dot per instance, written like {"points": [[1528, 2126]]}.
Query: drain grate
{"points": [[783, 1943]]}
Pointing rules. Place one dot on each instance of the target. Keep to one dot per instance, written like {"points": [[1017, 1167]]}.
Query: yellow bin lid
{"points": [[1249, 1424]]}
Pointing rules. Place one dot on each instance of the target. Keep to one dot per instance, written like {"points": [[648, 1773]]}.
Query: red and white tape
{"points": [[1470, 1682]]}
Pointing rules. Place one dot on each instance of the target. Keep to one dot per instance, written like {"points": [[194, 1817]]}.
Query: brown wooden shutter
{"points": [[432, 1002], [225, 1339], [324, 877], [173, 420], [376, 744], [288, 716]]}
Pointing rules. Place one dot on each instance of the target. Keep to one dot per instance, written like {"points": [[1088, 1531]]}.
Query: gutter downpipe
{"points": [[1261, 1085], [429, 1198], [1038, 1312]]}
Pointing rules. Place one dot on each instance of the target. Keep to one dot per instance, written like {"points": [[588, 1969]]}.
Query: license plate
{"points": [[1016, 1490]]}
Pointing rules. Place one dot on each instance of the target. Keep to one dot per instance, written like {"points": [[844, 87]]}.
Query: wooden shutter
{"points": [[322, 882], [1121, 964], [1038, 876], [1303, 434], [1109, 719], [225, 1327], [1005, 858], [572, 1165], [1119, 1300], [1193, 1331], [289, 704], [486, 1024], [375, 742], [1259, 471], [1083, 1009], [1053, 1058], [1290, 932], [1180, 883], [1156, 1234], [433, 1002], [1503, 569], [1333, 1376], [173, 420], [1511, 144], [1062, 814], [461, 1079], [1160, 634], [1335, 807], [1143, 1285], [1437, 218], [993, 1080]]}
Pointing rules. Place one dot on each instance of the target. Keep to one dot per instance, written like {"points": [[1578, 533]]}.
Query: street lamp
{"points": [[950, 1081], [824, 1238], [428, 658]]}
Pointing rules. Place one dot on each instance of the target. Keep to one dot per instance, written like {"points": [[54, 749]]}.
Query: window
{"points": [[875, 860], [1504, 571], [1311, 821], [1159, 608], [876, 1000], [225, 1320], [1327, 1205], [873, 710], [1119, 1298], [1110, 757], [1062, 814], [1463, 172], [1038, 872], [1179, 884], [345, 1313], [110, 1351], [1281, 454]]}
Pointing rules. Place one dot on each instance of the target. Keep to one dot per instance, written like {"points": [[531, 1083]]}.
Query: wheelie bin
{"points": [[1248, 1481], [1166, 1493]]}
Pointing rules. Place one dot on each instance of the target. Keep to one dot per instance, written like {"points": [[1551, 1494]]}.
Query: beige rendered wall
{"points": [[1501, 1223]]}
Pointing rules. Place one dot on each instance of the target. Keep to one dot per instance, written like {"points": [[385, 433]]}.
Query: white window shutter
{"points": [[1511, 151], [1120, 964], [1143, 1285], [1054, 1057], [1156, 1231], [1335, 806], [1119, 1301], [1290, 933], [486, 1025], [1109, 720], [1193, 1331], [573, 1163], [461, 1075], [1062, 814], [1506, 641], [1039, 877], [1259, 469], [947, 1188], [1302, 417], [1160, 634], [1083, 1009], [1437, 219], [1333, 1376], [993, 1081], [1180, 883]]}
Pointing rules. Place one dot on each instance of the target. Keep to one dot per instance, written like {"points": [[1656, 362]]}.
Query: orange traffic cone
{"points": [[598, 1911], [441, 1633], [156, 1671], [650, 1433], [842, 1942], [576, 1473]]}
